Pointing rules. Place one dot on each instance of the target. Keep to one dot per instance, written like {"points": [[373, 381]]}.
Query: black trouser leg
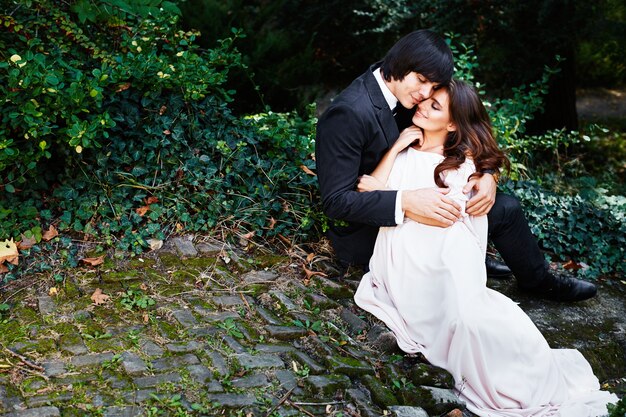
{"points": [[510, 233]]}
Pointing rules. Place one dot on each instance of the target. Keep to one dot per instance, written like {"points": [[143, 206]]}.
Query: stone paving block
{"points": [[40, 400], [185, 318], [233, 400], [138, 396], [285, 301], [333, 289], [407, 411], [286, 379], [149, 348], [274, 348], [133, 364], [54, 368], [184, 347], [259, 361], [326, 385], [381, 395], [233, 344], [363, 402], [71, 342], [220, 316], [151, 381], [184, 247], [318, 300], [218, 363], [209, 248], [91, 359], [255, 277], [172, 362], [252, 381], [354, 322], [304, 359], [228, 301], [267, 316], [210, 331], [432, 376], [200, 373], [447, 398], [286, 332], [36, 412], [349, 366], [123, 411], [46, 305]]}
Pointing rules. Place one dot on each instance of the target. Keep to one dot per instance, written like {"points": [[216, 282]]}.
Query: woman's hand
{"points": [[410, 135], [369, 183]]}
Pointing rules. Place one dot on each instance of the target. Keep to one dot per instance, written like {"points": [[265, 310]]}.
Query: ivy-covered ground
{"points": [[203, 328]]}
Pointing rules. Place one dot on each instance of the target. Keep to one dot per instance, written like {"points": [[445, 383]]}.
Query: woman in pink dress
{"points": [[428, 284]]}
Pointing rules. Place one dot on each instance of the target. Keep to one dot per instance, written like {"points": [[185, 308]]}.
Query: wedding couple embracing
{"points": [[406, 156]]}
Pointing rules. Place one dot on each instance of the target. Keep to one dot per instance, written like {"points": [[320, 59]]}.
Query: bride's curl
{"points": [[473, 136]]}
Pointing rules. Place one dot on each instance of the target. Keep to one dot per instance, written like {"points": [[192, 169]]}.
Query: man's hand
{"points": [[485, 195], [431, 203], [369, 183]]}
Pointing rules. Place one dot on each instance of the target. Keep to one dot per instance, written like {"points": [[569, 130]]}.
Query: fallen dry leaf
{"points": [[26, 242], [155, 244], [307, 170], [572, 265], [8, 252], [50, 233], [167, 132], [98, 297], [3, 269], [143, 287], [151, 200], [310, 257], [249, 235], [122, 87], [93, 261], [162, 110], [272, 223], [310, 273], [146, 318], [53, 291], [142, 210]]}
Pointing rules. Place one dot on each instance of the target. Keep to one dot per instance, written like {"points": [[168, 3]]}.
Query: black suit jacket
{"points": [[353, 134]]}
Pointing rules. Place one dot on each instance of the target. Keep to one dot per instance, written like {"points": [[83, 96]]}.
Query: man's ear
{"points": [[451, 127]]}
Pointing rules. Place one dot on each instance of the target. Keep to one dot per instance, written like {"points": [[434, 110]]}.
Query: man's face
{"points": [[413, 89]]}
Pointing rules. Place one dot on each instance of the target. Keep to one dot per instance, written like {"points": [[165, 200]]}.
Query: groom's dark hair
{"points": [[422, 51]]}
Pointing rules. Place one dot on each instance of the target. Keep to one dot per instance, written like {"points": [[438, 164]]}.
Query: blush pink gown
{"points": [[428, 285]]}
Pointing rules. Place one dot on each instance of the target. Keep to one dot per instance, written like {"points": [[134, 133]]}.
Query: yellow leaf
{"points": [[8, 252], [98, 297], [53, 291], [155, 244]]}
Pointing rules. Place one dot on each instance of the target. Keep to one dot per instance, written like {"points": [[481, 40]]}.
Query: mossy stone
{"points": [[381, 395], [349, 366], [425, 374]]}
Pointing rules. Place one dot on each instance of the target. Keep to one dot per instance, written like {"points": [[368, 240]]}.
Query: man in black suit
{"points": [[360, 126]]}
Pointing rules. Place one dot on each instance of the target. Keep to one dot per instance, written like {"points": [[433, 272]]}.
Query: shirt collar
{"points": [[391, 100]]}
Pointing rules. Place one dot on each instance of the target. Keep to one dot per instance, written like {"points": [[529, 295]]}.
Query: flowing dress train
{"points": [[428, 285]]}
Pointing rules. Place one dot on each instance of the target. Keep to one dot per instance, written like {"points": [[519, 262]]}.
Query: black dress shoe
{"points": [[562, 288], [497, 269]]}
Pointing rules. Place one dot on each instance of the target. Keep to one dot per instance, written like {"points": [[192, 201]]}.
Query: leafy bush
{"points": [[572, 216], [140, 137]]}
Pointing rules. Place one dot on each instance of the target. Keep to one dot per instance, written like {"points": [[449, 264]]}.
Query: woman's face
{"points": [[432, 114]]}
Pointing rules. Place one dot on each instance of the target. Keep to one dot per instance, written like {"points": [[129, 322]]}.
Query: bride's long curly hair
{"points": [[473, 136]]}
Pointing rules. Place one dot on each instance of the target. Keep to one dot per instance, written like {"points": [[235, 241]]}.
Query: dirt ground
{"points": [[601, 104]]}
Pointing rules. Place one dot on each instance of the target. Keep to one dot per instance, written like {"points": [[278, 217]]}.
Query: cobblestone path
{"points": [[201, 330]]}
